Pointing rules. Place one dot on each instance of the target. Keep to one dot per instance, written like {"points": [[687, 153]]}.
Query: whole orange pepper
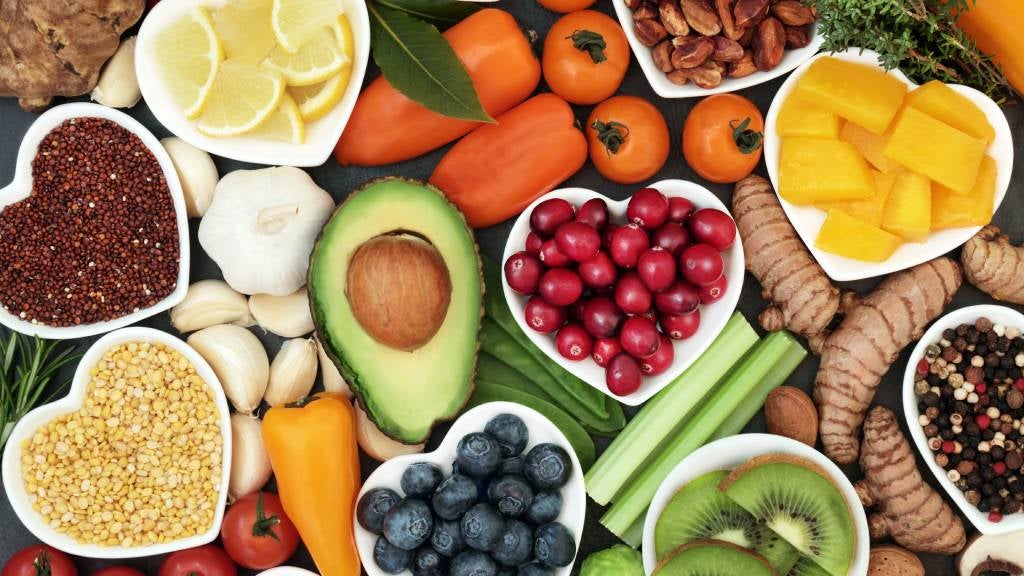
{"points": [[498, 169], [312, 448], [386, 126]]}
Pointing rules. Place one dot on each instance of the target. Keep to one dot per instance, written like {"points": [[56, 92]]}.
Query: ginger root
{"points": [[856, 356], [991, 264], [907, 508], [802, 299], [56, 47]]}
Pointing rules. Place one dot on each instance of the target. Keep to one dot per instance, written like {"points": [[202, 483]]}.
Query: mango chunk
{"points": [[819, 170], [947, 105], [871, 146], [857, 92], [953, 210], [847, 236], [908, 212], [869, 210], [800, 118], [936, 150]]}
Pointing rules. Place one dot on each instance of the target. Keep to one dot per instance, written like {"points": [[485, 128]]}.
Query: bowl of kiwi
{"points": [[756, 504]]}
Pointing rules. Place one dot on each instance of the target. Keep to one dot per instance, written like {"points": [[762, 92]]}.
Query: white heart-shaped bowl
{"points": [[27, 426], [807, 220], [21, 187], [728, 453], [713, 318], [321, 135], [389, 474], [998, 315]]}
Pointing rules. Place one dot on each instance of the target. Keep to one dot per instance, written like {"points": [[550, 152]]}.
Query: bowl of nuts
{"points": [[963, 397], [693, 48], [134, 461]]}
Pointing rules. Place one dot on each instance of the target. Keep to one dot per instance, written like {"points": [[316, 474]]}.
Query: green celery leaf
{"points": [[443, 13]]}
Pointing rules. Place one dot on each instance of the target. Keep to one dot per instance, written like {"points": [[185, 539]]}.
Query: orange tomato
{"points": [[722, 138], [565, 6], [585, 57], [628, 139]]}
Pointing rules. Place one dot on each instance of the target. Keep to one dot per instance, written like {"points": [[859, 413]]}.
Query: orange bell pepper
{"points": [[498, 169], [386, 126], [995, 25], [312, 448]]}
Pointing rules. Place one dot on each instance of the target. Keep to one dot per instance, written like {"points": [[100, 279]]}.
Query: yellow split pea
{"points": [[140, 462]]}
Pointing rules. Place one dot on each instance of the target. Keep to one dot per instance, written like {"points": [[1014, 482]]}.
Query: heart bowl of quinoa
{"points": [[134, 461], [93, 228]]}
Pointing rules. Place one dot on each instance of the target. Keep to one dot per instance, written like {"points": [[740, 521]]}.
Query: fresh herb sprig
{"points": [[27, 366]]}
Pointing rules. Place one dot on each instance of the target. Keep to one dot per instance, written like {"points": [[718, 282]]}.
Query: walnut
{"points": [[692, 52], [793, 13], [749, 13], [650, 32], [769, 44], [662, 54], [701, 17], [726, 50], [672, 18]]}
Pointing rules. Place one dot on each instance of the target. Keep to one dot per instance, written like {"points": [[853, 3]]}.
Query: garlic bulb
{"points": [[261, 227], [250, 463], [287, 316], [333, 381], [210, 302], [376, 444], [239, 361], [118, 87], [292, 373], [197, 173]]}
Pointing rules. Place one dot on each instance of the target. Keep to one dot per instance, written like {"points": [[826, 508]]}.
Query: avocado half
{"points": [[403, 392]]}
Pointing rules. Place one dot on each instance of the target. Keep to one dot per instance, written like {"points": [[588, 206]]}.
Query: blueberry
{"points": [[447, 538], [482, 527], [510, 432], [513, 465], [506, 571], [512, 495], [516, 545], [421, 479], [548, 466], [554, 545], [391, 558], [429, 563], [478, 455], [473, 563], [408, 524], [373, 506], [454, 496], [546, 508], [534, 569]]}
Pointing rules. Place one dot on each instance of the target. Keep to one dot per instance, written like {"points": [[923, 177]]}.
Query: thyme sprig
{"points": [[27, 366]]}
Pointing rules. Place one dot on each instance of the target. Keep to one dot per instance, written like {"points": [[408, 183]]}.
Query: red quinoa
{"points": [[97, 239]]}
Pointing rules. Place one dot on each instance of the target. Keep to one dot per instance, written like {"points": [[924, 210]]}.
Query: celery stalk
{"points": [[776, 356], [663, 413], [635, 535]]}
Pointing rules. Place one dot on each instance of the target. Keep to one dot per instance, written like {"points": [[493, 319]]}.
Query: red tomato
{"points": [[119, 571], [256, 532], [207, 560], [39, 560]]}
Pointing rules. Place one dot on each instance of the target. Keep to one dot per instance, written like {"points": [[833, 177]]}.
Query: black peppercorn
{"points": [[987, 434], [946, 434], [960, 344], [981, 349], [930, 399], [933, 379], [995, 501], [997, 452], [974, 479], [999, 482], [988, 473], [948, 334], [987, 490], [969, 453]]}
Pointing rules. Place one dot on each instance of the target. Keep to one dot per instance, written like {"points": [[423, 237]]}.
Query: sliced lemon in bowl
{"points": [[242, 98], [285, 124], [316, 61], [296, 22], [245, 30], [190, 56], [317, 100]]}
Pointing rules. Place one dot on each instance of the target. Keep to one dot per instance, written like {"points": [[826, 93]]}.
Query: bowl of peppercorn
{"points": [[93, 228], [963, 396]]}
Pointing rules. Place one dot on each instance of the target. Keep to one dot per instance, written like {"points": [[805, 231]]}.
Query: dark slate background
{"points": [[339, 181]]}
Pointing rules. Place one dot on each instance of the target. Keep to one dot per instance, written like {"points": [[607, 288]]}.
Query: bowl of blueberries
{"points": [[502, 495]]}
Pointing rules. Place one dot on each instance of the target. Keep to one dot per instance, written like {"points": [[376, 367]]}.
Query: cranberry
{"points": [[522, 271], [713, 227], [632, 295], [542, 316], [599, 271], [560, 286], [701, 264], [681, 326], [550, 214], [679, 209], [606, 236], [533, 243], [605, 349], [713, 292], [551, 256], [601, 317], [639, 337], [623, 375], [657, 268], [679, 298], [628, 242], [578, 241], [575, 312], [672, 237], [573, 342], [648, 208], [995, 516], [660, 361], [594, 213]]}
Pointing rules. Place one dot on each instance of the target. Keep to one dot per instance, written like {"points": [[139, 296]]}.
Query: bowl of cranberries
{"points": [[624, 294]]}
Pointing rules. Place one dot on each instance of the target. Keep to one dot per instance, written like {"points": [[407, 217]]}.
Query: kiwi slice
{"points": [[798, 501], [700, 511], [807, 567], [713, 558]]}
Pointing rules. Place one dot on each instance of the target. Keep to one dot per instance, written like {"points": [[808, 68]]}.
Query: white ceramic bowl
{"points": [[21, 187], [728, 453], [27, 426], [999, 315], [808, 220], [321, 135], [713, 318], [287, 571], [389, 474]]}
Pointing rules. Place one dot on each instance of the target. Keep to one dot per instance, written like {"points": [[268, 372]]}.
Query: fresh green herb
{"points": [[442, 13], [27, 366]]}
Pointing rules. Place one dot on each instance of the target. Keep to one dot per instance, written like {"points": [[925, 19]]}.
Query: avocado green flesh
{"points": [[403, 392], [713, 559]]}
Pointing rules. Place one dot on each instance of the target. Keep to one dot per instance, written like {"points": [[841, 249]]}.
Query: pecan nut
{"points": [[749, 13], [701, 17], [649, 32], [706, 76], [729, 28], [793, 13], [797, 37], [769, 44], [645, 11], [743, 67], [672, 18], [678, 77], [693, 52], [663, 56], [726, 50], [634, 4]]}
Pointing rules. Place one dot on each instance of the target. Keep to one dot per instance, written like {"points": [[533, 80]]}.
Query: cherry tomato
{"points": [[256, 532], [207, 560], [722, 138], [628, 139], [119, 571], [39, 560], [585, 57], [565, 6]]}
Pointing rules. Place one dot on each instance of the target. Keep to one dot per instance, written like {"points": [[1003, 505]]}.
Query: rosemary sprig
{"points": [[27, 366]]}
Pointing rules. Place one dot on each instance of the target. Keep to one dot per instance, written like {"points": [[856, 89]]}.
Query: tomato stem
{"points": [[611, 134], [590, 41], [42, 563], [748, 141], [264, 525]]}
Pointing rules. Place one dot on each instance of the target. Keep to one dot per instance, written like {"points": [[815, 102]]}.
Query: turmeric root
{"points": [[993, 265], [907, 509], [856, 356], [802, 299]]}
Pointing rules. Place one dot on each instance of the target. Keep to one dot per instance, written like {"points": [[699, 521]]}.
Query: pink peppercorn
{"points": [[983, 421], [922, 366], [995, 516], [980, 388], [948, 447], [999, 468]]}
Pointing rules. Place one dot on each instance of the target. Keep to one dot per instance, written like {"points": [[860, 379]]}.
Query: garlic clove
{"points": [[287, 316], [292, 373], [239, 361], [210, 302], [376, 444], [197, 173], [118, 87], [250, 463], [333, 381]]}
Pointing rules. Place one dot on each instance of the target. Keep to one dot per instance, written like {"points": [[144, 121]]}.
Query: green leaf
{"points": [[443, 13], [421, 64]]}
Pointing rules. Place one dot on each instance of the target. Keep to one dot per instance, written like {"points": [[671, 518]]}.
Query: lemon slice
{"points": [[190, 55], [316, 61], [242, 98], [285, 124], [317, 100], [298, 21], [244, 29]]}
